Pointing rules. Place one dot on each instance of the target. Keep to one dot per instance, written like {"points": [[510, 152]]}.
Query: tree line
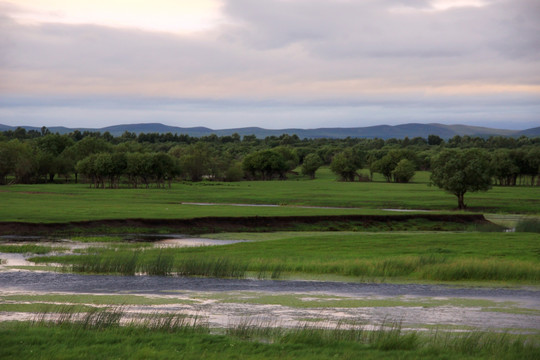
{"points": [[148, 160]]}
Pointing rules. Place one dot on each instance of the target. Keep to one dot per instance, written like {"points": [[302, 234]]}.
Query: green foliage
{"points": [[108, 168], [28, 249], [434, 140], [528, 225], [234, 172], [503, 167], [288, 154], [196, 161], [403, 172], [265, 165], [312, 163], [446, 257], [346, 164], [18, 159], [62, 203], [98, 336], [389, 162], [45, 155], [459, 172]]}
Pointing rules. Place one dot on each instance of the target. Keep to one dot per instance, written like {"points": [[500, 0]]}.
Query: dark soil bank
{"points": [[254, 223]]}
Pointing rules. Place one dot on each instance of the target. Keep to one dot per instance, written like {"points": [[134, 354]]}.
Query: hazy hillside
{"points": [[379, 131], [533, 132]]}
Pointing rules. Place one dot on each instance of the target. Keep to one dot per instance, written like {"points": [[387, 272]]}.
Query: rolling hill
{"points": [[380, 131]]}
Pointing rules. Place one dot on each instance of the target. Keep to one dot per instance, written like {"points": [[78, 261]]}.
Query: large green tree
{"points": [[462, 171], [346, 163], [51, 146], [388, 163], [404, 171], [312, 162], [265, 164]]}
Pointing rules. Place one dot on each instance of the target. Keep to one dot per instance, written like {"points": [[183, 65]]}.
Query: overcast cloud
{"points": [[280, 63]]}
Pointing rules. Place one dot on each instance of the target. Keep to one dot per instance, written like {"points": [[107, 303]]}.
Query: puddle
{"points": [[193, 242], [68, 247], [407, 210], [226, 314], [161, 241], [10, 259], [228, 204], [297, 206]]}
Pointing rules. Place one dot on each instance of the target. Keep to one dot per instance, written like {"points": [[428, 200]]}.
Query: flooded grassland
{"points": [[27, 291]]}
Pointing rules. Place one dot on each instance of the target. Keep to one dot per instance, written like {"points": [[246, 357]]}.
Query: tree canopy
{"points": [[459, 172], [35, 156]]}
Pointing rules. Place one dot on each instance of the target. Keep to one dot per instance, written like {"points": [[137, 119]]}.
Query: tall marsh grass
{"points": [[124, 263], [162, 264], [435, 264], [95, 318], [211, 267], [528, 225], [437, 267], [476, 269], [389, 336], [114, 317], [29, 249]]}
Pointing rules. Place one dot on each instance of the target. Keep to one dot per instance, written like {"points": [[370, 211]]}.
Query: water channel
{"points": [[226, 301]]}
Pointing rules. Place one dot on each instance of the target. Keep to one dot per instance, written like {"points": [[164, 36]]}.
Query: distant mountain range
{"points": [[379, 131]]}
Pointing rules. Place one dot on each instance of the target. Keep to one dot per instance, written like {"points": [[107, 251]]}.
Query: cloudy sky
{"points": [[272, 63]]}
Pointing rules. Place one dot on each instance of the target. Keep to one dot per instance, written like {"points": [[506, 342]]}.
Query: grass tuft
{"points": [[477, 269], [29, 249], [528, 225]]}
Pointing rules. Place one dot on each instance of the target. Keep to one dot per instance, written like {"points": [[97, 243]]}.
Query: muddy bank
{"points": [[254, 223]]}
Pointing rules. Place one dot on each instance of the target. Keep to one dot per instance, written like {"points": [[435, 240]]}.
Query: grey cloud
{"points": [[374, 28], [302, 40], [275, 46]]}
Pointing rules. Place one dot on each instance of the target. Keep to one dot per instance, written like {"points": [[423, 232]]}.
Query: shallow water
{"points": [[193, 242], [172, 240], [50, 281], [226, 313], [203, 292], [10, 259], [296, 206]]}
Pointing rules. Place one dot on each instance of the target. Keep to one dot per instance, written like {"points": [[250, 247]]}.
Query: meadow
{"points": [[100, 336], [466, 255], [51, 203], [355, 256]]}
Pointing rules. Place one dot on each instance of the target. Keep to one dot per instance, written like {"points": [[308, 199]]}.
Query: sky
{"points": [[273, 63]]}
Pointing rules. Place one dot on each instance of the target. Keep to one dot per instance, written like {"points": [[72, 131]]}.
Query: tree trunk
{"points": [[461, 201]]}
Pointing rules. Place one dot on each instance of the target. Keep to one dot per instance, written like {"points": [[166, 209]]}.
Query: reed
{"points": [[528, 225], [29, 249], [391, 337], [68, 333], [211, 267], [170, 322], [488, 269]]}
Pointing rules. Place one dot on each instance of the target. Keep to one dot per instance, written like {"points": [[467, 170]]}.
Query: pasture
{"points": [[410, 253], [53, 203]]}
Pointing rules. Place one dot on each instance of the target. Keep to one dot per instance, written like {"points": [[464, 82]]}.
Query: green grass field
{"points": [[413, 257], [73, 202], [469, 257], [98, 341]]}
